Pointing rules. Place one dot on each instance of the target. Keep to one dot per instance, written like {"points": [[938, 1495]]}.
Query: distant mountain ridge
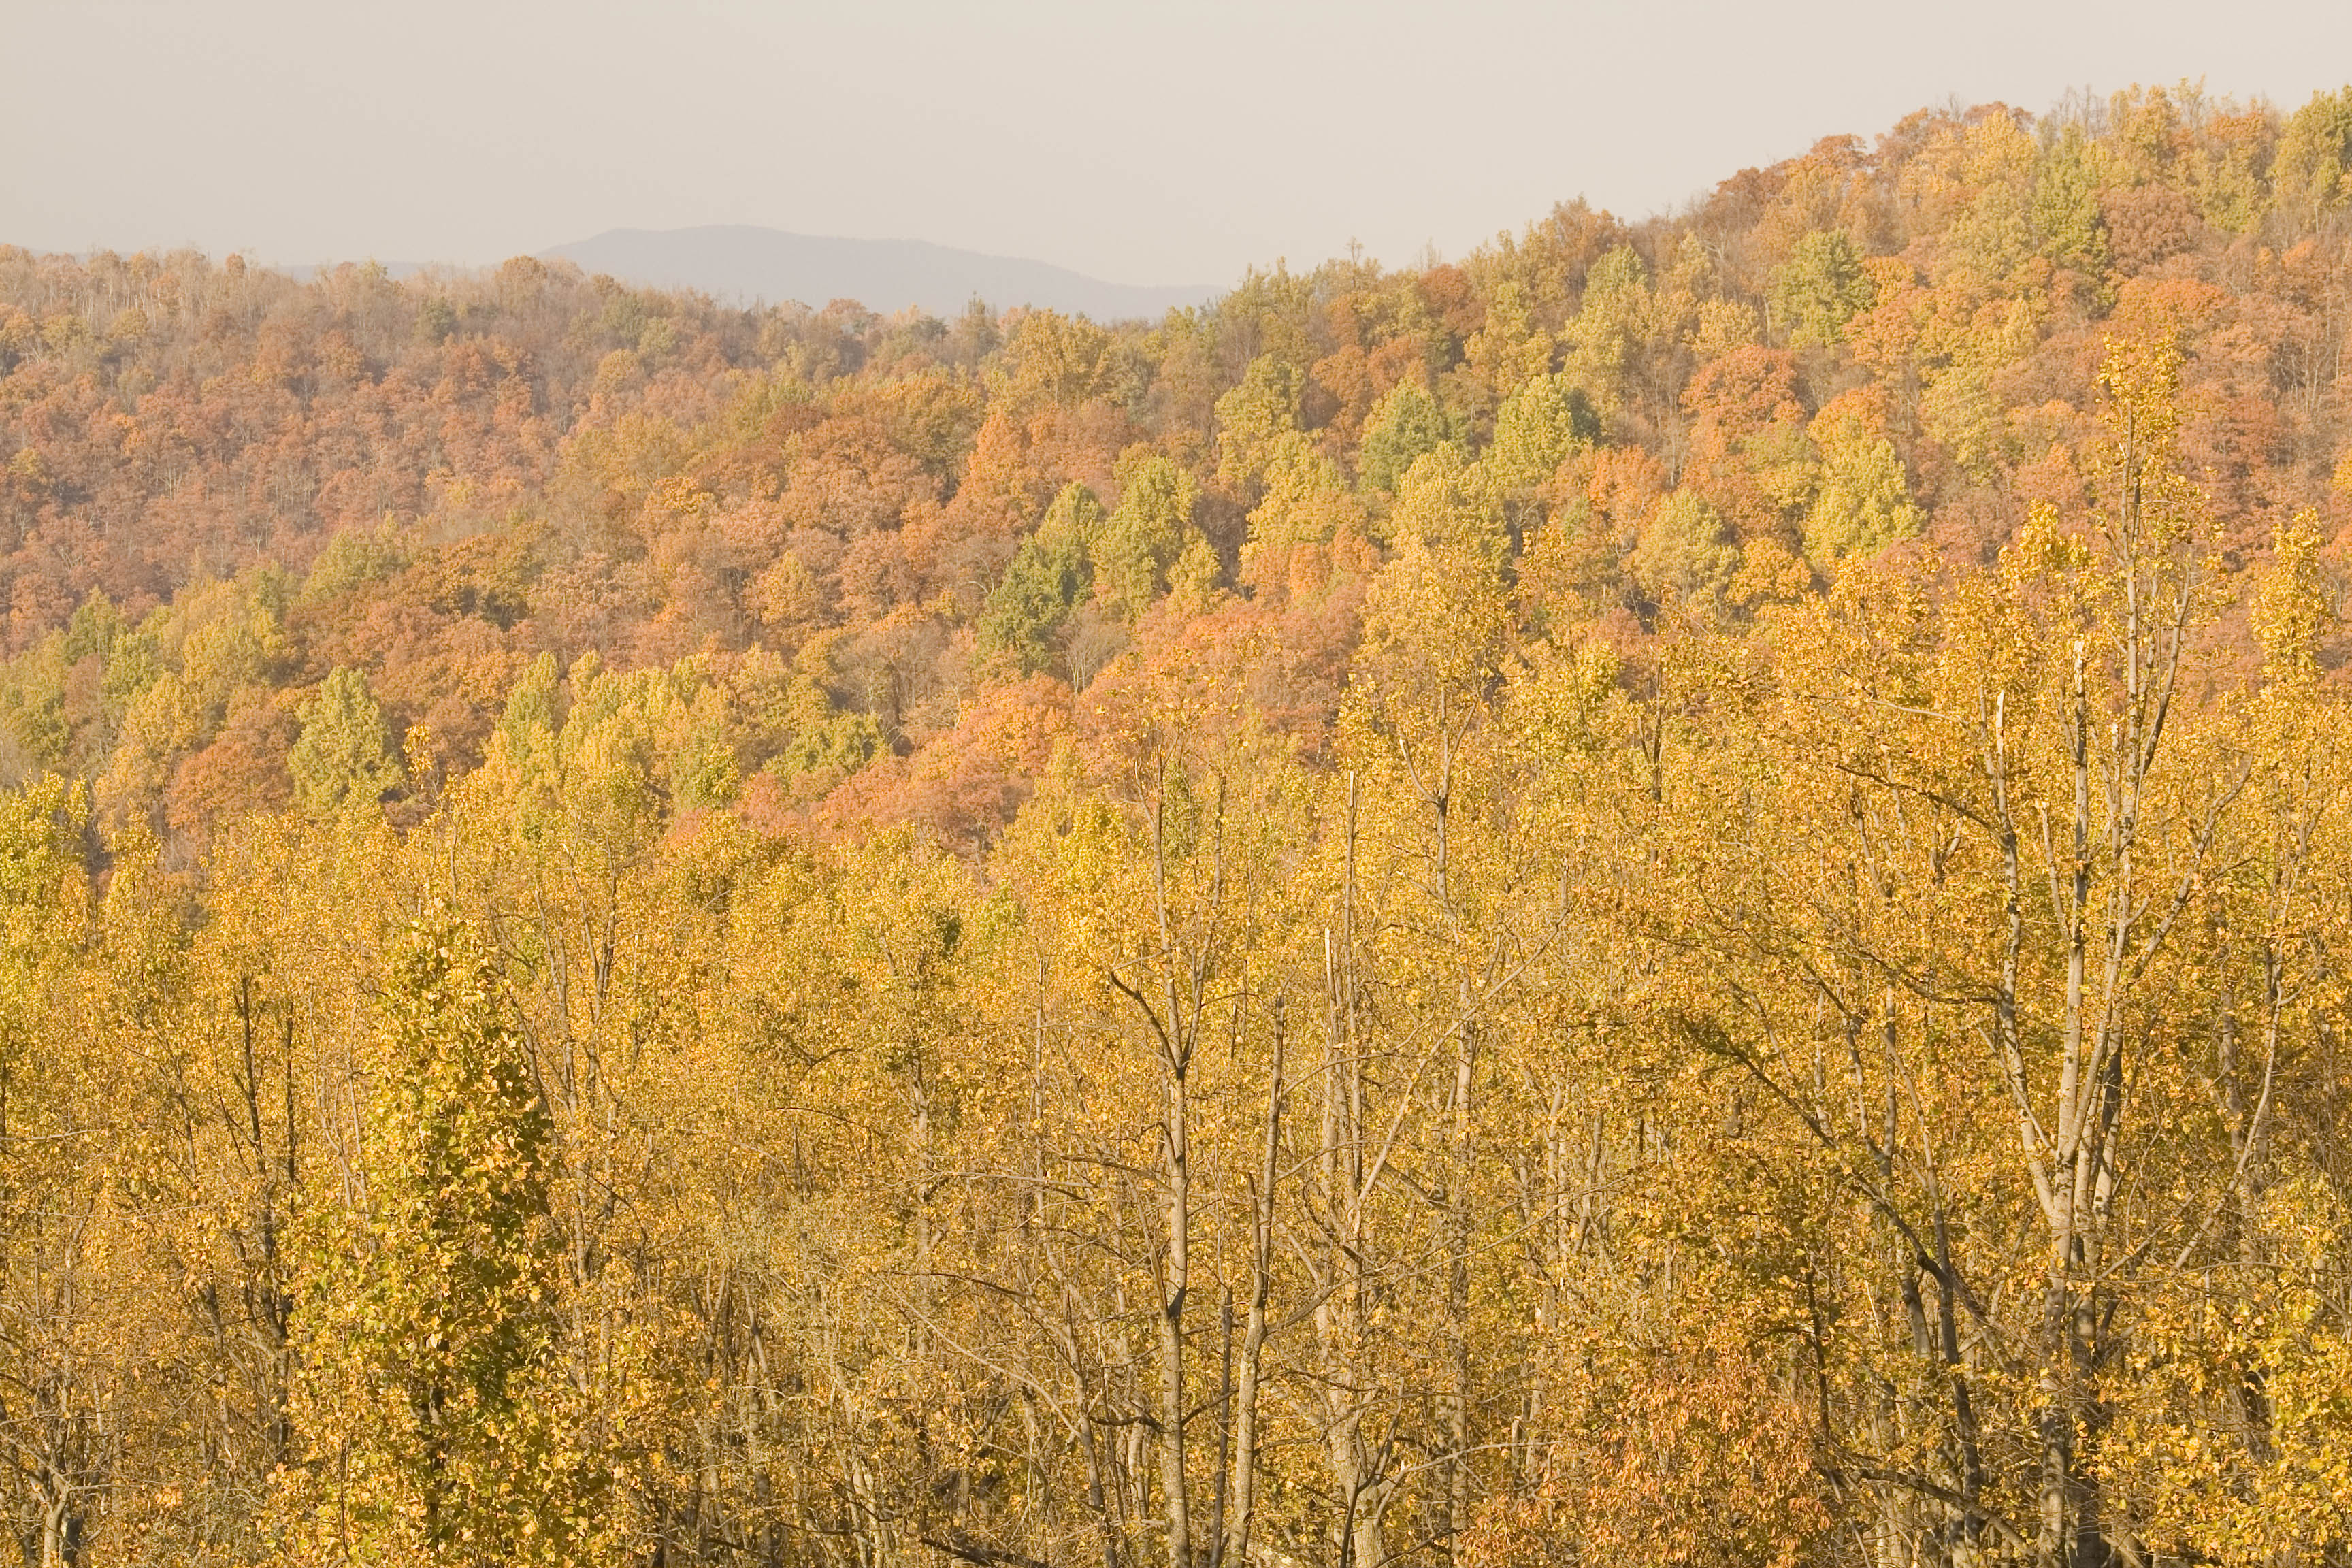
{"points": [[884, 275]]}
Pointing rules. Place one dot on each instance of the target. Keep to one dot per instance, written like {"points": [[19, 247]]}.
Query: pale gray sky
{"points": [[1174, 142]]}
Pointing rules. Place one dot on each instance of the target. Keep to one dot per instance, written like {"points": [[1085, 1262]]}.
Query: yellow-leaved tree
{"points": [[435, 1423]]}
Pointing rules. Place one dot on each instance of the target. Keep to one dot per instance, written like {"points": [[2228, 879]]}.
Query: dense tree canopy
{"points": [[1668, 895]]}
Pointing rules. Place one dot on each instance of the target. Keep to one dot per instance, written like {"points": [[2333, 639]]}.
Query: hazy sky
{"points": [[1143, 143]]}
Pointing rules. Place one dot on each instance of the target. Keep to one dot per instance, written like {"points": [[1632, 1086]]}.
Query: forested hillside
{"points": [[1671, 895]]}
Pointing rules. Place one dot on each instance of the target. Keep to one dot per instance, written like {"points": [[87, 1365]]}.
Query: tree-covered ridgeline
{"points": [[1673, 895]]}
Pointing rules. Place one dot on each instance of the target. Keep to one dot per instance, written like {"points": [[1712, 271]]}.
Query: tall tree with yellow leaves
{"points": [[435, 1419]]}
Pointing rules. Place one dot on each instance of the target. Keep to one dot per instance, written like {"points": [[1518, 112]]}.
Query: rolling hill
{"points": [[885, 275]]}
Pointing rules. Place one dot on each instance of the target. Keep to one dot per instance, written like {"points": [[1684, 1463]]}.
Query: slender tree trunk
{"points": [[1457, 1292], [1176, 1281], [1235, 1548]]}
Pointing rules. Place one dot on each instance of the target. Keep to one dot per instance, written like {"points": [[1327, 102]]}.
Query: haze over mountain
{"points": [[885, 275]]}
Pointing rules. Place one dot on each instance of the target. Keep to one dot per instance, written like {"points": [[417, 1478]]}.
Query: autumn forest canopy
{"points": [[1670, 895]]}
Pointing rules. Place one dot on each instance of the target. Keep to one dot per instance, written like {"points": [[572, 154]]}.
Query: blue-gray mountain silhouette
{"points": [[734, 261]]}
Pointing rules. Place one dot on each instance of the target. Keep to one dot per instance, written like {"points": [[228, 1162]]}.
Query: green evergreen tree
{"points": [[2066, 210], [1820, 288], [1137, 543], [1536, 429], [1612, 321], [340, 760], [1404, 424], [1048, 575]]}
